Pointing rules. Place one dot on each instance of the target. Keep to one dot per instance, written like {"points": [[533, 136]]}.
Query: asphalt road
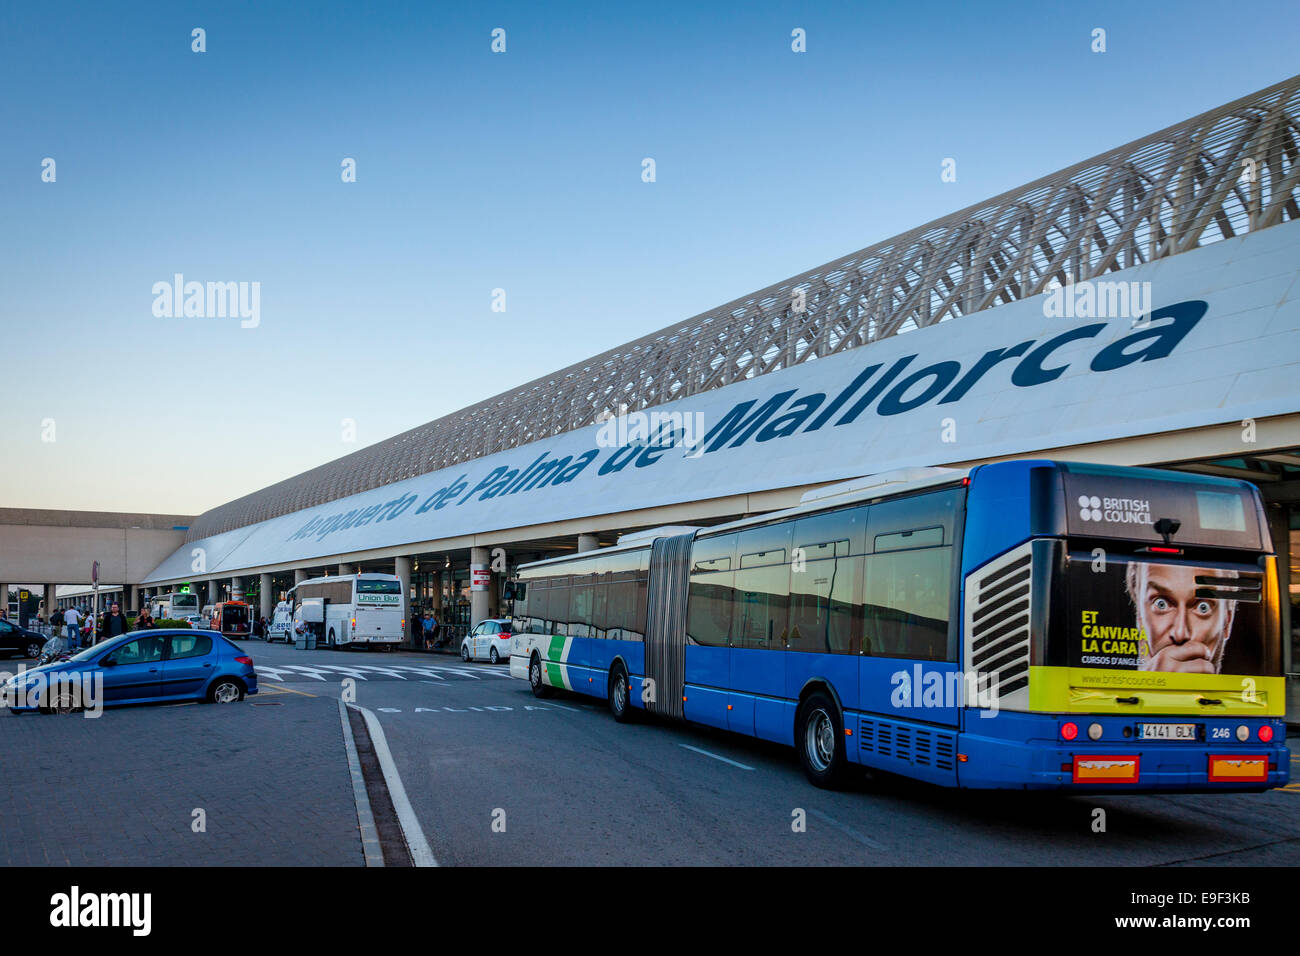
{"points": [[496, 776]]}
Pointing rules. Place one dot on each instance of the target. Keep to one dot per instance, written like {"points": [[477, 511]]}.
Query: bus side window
{"points": [[907, 603]]}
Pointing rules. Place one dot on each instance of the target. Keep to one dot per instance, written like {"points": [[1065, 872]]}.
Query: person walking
{"points": [[72, 621], [430, 625], [114, 624]]}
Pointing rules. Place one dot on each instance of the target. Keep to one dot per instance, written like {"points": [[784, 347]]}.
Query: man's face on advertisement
{"points": [[1185, 631]]}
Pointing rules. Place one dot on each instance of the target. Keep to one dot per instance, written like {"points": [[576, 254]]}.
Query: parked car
{"points": [[488, 640], [20, 640], [159, 666]]}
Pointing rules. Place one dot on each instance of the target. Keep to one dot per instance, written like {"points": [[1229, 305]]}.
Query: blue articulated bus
{"points": [[1024, 624]]}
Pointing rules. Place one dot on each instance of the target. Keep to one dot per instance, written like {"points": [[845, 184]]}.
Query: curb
{"points": [[421, 854], [365, 819]]}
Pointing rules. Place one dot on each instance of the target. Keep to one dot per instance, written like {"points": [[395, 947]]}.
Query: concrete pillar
{"points": [[49, 601], [588, 542], [236, 589], [480, 602], [435, 599], [403, 571], [267, 608], [349, 569], [129, 599], [299, 575], [4, 600], [212, 591]]}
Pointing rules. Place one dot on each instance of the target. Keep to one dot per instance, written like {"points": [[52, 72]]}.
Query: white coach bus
{"points": [[351, 609], [175, 604]]}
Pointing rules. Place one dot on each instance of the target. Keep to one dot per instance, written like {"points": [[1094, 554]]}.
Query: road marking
{"points": [[283, 690], [716, 757], [328, 672], [847, 830], [421, 855]]}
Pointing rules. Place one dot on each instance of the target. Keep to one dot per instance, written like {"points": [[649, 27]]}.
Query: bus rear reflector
{"points": [[1227, 768], [1114, 769]]}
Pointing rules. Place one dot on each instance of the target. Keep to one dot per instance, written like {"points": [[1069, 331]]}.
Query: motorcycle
{"points": [[54, 651]]}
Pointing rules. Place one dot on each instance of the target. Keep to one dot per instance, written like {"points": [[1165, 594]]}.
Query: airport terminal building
{"points": [[1139, 308]]}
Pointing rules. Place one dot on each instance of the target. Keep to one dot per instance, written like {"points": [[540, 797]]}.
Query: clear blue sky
{"points": [[477, 171]]}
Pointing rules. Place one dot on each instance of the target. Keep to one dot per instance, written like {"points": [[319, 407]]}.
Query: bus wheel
{"points": [[819, 738], [535, 678], [619, 703]]}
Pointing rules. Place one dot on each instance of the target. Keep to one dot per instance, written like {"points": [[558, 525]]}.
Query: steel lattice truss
{"points": [[1221, 174]]}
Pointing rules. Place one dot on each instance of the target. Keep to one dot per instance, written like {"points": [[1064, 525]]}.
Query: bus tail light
{"points": [[354, 622], [1266, 733], [1069, 730]]}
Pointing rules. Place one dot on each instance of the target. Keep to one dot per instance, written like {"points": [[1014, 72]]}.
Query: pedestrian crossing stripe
{"points": [[324, 672]]}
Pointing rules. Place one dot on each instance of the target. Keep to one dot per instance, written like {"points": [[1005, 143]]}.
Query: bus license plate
{"points": [[1167, 731]]}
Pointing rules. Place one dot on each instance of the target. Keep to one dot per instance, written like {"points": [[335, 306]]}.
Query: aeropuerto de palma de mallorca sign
{"points": [[1219, 343]]}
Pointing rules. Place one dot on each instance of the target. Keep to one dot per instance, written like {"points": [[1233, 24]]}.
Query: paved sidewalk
{"points": [[121, 789]]}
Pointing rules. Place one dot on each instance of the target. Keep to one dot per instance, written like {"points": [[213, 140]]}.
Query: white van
{"points": [[280, 627]]}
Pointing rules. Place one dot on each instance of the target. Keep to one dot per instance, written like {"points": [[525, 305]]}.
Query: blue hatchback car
{"points": [[142, 667]]}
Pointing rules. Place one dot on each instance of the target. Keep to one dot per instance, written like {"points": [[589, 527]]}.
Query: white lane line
{"points": [[716, 757], [846, 830], [421, 855]]}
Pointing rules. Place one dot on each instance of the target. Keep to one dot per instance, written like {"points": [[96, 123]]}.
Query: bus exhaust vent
{"points": [[915, 745], [999, 598]]}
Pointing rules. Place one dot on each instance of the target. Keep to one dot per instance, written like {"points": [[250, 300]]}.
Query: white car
{"points": [[489, 640]]}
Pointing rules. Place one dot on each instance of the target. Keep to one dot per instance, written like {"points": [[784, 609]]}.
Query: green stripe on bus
{"points": [[556, 652], [555, 675]]}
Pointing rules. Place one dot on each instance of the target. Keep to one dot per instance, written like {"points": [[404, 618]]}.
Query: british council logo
{"points": [[1089, 508]]}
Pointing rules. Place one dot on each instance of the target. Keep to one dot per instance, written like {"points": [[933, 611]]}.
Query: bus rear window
{"points": [[379, 587], [1128, 505]]}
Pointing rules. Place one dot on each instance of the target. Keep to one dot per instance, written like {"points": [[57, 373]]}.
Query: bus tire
{"points": [[535, 677], [620, 702], [819, 738]]}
